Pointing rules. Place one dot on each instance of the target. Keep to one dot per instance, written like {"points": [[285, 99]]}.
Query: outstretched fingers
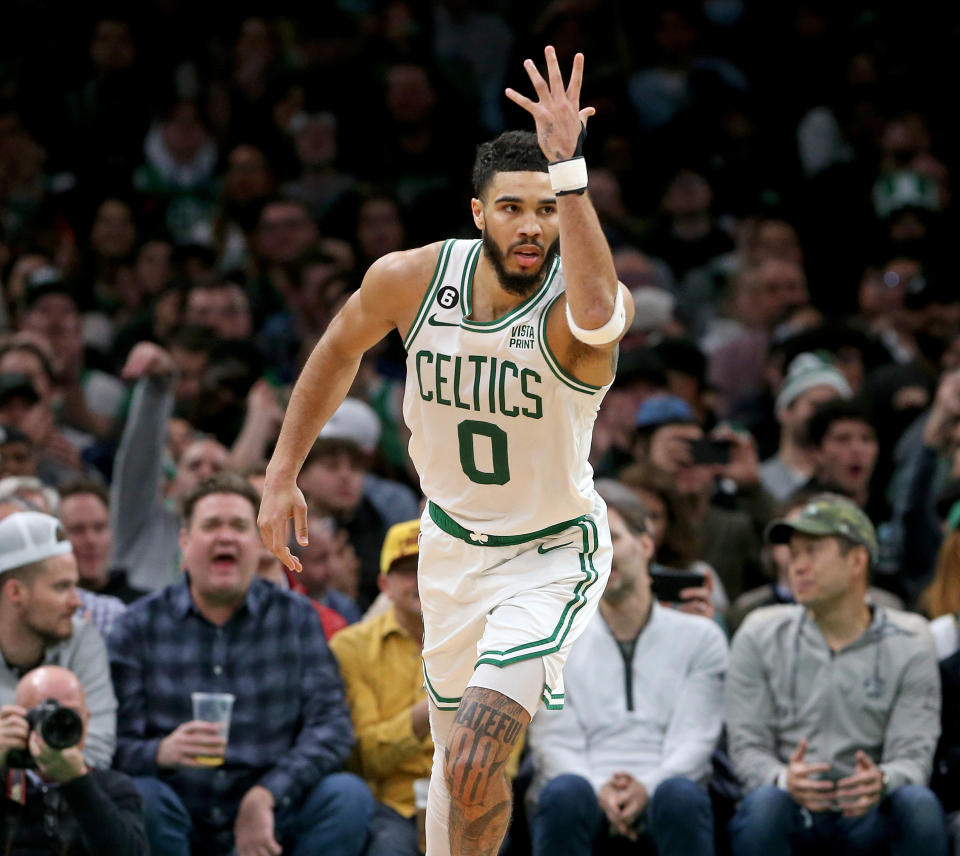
{"points": [[520, 100], [576, 79], [539, 84], [553, 70]]}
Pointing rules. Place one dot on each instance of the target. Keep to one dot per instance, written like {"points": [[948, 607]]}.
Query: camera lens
{"points": [[61, 728]]}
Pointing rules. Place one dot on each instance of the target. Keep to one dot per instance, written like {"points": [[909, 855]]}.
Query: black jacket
{"points": [[93, 815]]}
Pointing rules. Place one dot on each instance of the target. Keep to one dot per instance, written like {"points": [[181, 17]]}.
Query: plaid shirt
{"points": [[290, 724], [102, 610]]}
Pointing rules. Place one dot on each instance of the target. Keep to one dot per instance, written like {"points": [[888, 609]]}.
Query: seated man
{"points": [[665, 439], [776, 559], [220, 629], [85, 514], [337, 482], [844, 446], [39, 624], [833, 705], [642, 715], [327, 559], [66, 806], [810, 382], [101, 610], [380, 663]]}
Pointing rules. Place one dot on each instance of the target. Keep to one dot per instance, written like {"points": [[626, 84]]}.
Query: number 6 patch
{"points": [[448, 297]]}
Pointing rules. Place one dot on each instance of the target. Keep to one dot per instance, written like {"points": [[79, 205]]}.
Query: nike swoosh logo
{"points": [[432, 321], [542, 549]]}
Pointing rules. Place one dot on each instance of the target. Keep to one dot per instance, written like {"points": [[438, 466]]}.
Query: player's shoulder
{"points": [[412, 265]]}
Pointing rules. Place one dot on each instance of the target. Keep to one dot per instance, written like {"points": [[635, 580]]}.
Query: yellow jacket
{"points": [[383, 675]]}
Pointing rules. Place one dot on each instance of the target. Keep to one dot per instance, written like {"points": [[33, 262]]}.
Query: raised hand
{"points": [[148, 358], [557, 114]]}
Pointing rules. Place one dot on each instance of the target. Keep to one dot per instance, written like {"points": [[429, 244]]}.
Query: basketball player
{"points": [[511, 344]]}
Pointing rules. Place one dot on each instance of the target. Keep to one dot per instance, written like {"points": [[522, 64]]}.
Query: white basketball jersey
{"points": [[500, 433]]}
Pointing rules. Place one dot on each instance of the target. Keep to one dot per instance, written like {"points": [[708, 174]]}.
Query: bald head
{"points": [[52, 682]]}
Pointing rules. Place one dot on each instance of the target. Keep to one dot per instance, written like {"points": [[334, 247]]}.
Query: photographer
{"points": [[59, 805], [40, 624]]}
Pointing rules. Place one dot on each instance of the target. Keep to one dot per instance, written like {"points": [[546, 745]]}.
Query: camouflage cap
{"points": [[828, 514]]}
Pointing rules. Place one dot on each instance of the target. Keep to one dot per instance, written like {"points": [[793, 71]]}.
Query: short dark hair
{"points": [[75, 487], [837, 410], [328, 447], [219, 483], [512, 151]]}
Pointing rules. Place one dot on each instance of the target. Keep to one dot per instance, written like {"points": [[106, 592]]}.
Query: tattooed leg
{"points": [[486, 729]]}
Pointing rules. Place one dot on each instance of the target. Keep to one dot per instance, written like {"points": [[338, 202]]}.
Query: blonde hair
{"points": [[942, 596]]}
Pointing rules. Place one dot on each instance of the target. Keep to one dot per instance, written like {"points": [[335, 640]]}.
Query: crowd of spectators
{"points": [[187, 196]]}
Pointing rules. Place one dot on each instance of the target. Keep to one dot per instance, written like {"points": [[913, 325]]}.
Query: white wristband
{"points": [[568, 176], [609, 331]]}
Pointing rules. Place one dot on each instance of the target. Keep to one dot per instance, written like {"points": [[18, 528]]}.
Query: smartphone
{"points": [[667, 583], [707, 451]]}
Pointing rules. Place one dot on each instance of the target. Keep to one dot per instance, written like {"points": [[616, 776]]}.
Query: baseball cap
{"points": [[807, 371], [30, 536], [12, 384], [354, 420], [43, 281], [653, 307], [660, 410], [828, 514], [904, 189], [402, 540]]}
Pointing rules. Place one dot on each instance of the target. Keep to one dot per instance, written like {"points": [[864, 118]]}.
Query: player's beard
{"points": [[521, 284]]}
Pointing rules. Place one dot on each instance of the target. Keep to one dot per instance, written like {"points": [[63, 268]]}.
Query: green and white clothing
{"points": [[515, 548]]}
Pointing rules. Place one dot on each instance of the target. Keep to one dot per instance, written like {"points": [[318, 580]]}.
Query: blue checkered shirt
{"points": [[290, 724], [102, 610]]}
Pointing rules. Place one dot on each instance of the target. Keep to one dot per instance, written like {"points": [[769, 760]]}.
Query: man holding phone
{"points": [[627, 755], [833, 704], [701, 468]]}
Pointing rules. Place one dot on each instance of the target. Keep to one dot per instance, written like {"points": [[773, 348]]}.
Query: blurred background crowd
{"points": [[189, 193]]}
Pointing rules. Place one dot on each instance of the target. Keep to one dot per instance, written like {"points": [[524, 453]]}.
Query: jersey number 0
{"points": [[467, 432]]}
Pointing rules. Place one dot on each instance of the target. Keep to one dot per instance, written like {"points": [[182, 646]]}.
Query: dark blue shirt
{"points": [[290, 724]]}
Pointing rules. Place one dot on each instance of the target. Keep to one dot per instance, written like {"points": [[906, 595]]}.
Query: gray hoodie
{"points": [[881, 694]]}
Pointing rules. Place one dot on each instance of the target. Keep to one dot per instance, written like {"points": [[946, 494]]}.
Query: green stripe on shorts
{"points": [[479, 539], [553, 643]]}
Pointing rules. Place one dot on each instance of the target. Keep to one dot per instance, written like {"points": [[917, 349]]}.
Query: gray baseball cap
{"points": [[30, 536]]}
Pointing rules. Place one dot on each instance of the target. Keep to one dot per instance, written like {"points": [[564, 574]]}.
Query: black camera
{"points": [[60, 727]]}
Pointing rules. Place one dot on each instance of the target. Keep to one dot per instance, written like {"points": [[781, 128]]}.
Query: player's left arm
{"points": [[596, 312]]}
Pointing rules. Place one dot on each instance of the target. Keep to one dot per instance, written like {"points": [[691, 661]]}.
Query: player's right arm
{"points": [[389, 297]]}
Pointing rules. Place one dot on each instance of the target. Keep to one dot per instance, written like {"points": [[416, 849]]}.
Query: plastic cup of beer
{"points": [[215, 708]]}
